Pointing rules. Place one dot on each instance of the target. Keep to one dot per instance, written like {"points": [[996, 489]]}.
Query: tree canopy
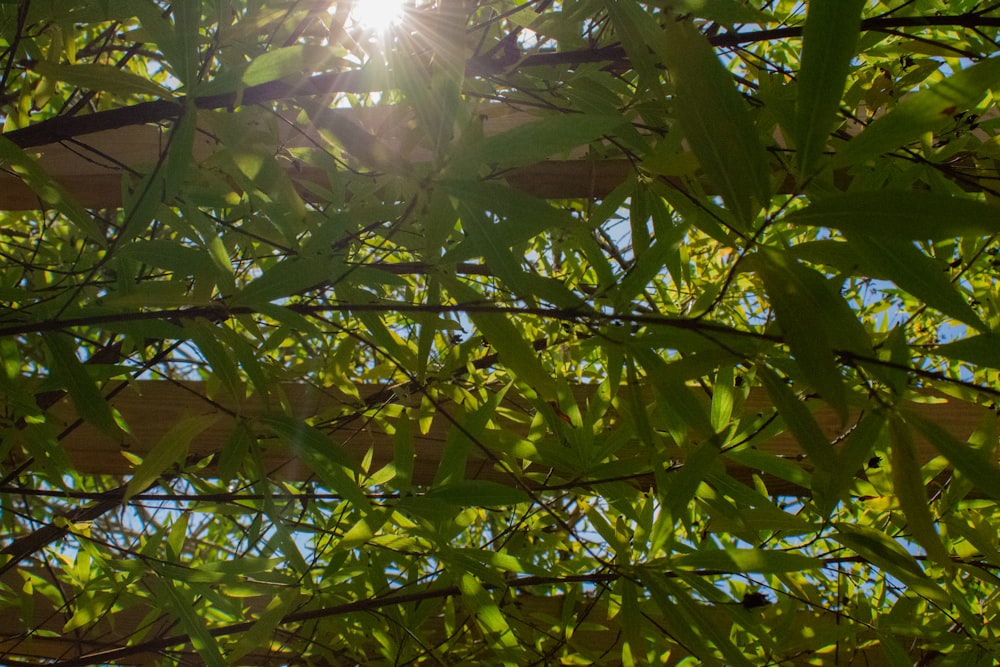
{"points": [[515, 331]]}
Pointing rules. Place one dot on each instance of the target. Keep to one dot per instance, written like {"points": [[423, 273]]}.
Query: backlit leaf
{"points": [[829, 41], [715, 121]]}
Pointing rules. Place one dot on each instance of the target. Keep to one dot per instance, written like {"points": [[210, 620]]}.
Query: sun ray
{"points": [[378, 15]]}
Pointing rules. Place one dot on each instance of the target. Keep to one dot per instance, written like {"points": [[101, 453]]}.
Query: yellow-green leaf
{"points": [[171, 449], [91, 76], [911, 492]]}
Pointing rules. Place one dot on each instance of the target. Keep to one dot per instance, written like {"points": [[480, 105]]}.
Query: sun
{"points": [[378, 15]]}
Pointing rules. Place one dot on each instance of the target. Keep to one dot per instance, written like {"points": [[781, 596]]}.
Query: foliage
{"points": [[684, 404]]}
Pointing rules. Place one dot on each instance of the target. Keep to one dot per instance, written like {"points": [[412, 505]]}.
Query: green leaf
{"points": [[716, 121], [682, 485], [207, 336], [171, 449], [691, 622], [323, 456], [815, 321], [884, 552], [88, 400], [829, 42], [533, 142], [673, 394], [163, 183], [911, 492], [854, 452], [183, 608], [912, 270], [514, 351], [478, 493], [96, 77], [982, 350], [925, 111], [967, 460], [800, 422], [48, 190], [913, 215], [288, 278], [263, 629], [765, 561], [487, 612]]}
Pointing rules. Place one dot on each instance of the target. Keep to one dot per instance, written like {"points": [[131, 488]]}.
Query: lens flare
{"points": [[378, 15]]}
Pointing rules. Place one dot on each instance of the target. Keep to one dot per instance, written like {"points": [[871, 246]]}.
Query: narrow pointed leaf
{"points": [[913, 271], [324, 456], [168, 452], [101, 78], [908, 483], [815, 321], [799, 420], [924, 111], [514, 351], [88, 400], [746, 560], [829, 41], [716, 121], [966, 459], [915, 215]]}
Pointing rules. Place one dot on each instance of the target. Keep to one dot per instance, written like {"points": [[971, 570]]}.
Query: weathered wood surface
{"points": [[529, 614], [152, 407]]}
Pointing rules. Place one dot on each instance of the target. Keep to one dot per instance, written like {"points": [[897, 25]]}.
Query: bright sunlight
{"points": [[378, 15]]}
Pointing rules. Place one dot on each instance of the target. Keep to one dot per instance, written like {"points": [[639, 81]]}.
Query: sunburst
{"points": [[378, 15]]}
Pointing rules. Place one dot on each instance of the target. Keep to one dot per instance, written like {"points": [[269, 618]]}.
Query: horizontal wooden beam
{"points": [[152, 407], [44, 636], [94, 168]]}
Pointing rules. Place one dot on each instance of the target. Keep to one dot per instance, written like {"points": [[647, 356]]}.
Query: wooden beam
{"points": [[152, 407], [527, 613], [94, 167]]}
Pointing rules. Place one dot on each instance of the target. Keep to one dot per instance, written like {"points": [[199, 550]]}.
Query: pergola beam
{"points": [[152, 407]]}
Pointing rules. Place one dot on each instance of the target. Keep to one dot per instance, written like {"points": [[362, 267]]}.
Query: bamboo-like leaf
{"points": [[981, 471], [261, 632], [183, 608], [162, 183], [911, 492], [102, 78], [694, 616], [234, 452], [682, 617], [881, 551], [324, 456], [48, 190], [478, 493], [799, 420], [925, 111], [88, 400], [206, 336], [487, 612], [911, 270], [534, 142], [855, 450], [815, 321], [514, 351], [673, 394], [915, 215], [829, 42], [715, 121], [171, 449], [745, 560], [288, 278], [982, 350]]}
